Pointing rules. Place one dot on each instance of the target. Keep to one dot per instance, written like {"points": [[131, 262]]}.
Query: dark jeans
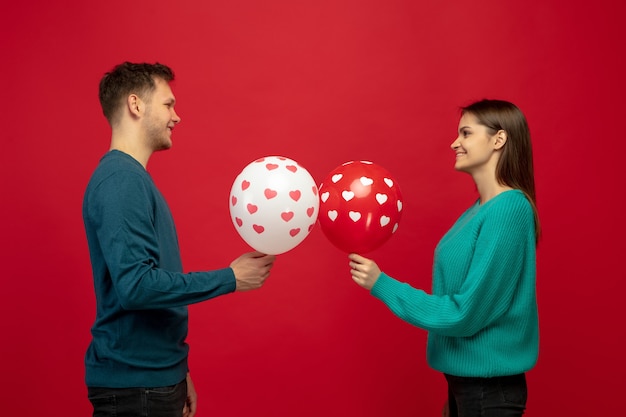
{"points": [[138, 402], [503, 396]]}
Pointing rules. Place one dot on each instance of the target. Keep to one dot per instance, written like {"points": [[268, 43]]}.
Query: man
{"points": [[136, 363]]}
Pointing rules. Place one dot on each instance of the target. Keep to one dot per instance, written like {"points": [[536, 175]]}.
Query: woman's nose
{"points": [[454, 145]]}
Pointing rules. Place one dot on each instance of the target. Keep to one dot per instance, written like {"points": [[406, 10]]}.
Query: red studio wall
{"points": [[322, 83]]}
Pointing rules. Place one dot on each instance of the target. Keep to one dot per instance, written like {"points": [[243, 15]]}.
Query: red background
{"points": [[322, 83]]}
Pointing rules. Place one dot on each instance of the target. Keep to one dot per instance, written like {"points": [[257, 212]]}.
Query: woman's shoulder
{"points": [[511, 197], [509, 204]]}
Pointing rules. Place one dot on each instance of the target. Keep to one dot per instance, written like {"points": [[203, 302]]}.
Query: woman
{"points": [[482, 313]]}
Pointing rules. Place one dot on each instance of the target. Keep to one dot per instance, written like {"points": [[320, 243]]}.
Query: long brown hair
{"points": [[515, 166]]}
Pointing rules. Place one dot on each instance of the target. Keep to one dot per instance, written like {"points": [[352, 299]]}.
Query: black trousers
{"points": [[139, 402], [503, 396]]}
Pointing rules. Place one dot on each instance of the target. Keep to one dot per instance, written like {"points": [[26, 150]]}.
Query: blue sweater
{"points": [[482, 313], [138, 338]]}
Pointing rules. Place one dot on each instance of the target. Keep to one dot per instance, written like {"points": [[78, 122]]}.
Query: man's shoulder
{"points": [[117, 164], [115, 159], [118, 177]]}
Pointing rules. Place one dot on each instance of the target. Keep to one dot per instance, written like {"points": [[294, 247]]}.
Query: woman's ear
{"points": [[501, 137]]}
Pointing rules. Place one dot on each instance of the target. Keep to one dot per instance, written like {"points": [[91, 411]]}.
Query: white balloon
{"points": [[274, 204]]}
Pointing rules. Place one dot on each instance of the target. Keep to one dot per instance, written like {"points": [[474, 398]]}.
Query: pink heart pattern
{"points": [[269, 194], [274, 204], [295, 195]]}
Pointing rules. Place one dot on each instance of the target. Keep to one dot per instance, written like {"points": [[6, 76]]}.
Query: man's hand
{"points": [[189, 410], [251, 270]]}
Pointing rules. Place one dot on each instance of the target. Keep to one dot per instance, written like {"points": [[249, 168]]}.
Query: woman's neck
{"points": [[489, 190]]}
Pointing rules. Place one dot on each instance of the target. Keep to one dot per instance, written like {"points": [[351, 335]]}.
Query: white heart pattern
{"points": [[358, 204]]}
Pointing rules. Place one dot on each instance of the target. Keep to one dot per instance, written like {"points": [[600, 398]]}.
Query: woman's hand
{"points": [[364, 271]]}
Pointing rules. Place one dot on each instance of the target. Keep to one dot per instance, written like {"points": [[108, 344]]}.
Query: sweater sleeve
{"points": [[487, 287], [134, 251]]}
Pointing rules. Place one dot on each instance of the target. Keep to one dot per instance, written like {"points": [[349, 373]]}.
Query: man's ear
{"points": [[501, 137], [134, 104]]}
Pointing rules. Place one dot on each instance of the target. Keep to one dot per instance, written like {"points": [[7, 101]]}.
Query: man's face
{"points": [[160, 116]]}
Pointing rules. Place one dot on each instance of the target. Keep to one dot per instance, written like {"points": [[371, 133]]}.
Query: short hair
{"points": [[128, 78], [515, 166]]}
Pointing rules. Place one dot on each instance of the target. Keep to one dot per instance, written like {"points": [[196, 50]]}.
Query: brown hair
{"points": [[128, 78], [515, 166]]}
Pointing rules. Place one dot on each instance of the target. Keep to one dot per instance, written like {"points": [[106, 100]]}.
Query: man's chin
{"points": [[163, 147]]}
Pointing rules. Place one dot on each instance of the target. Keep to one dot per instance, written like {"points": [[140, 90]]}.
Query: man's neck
{"points": [[137, 152]]}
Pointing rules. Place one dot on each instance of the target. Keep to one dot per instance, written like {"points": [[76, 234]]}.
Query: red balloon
{"points": [[360, 206]]}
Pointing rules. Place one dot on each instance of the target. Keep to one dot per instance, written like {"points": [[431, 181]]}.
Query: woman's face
{"points": [[474, 147]]}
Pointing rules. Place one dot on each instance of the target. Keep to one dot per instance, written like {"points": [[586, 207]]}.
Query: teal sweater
{"points": [[138, 337], [481, 317]]}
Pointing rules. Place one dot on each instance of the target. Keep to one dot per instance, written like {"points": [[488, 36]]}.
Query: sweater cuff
{"points": [[384, 286]]}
